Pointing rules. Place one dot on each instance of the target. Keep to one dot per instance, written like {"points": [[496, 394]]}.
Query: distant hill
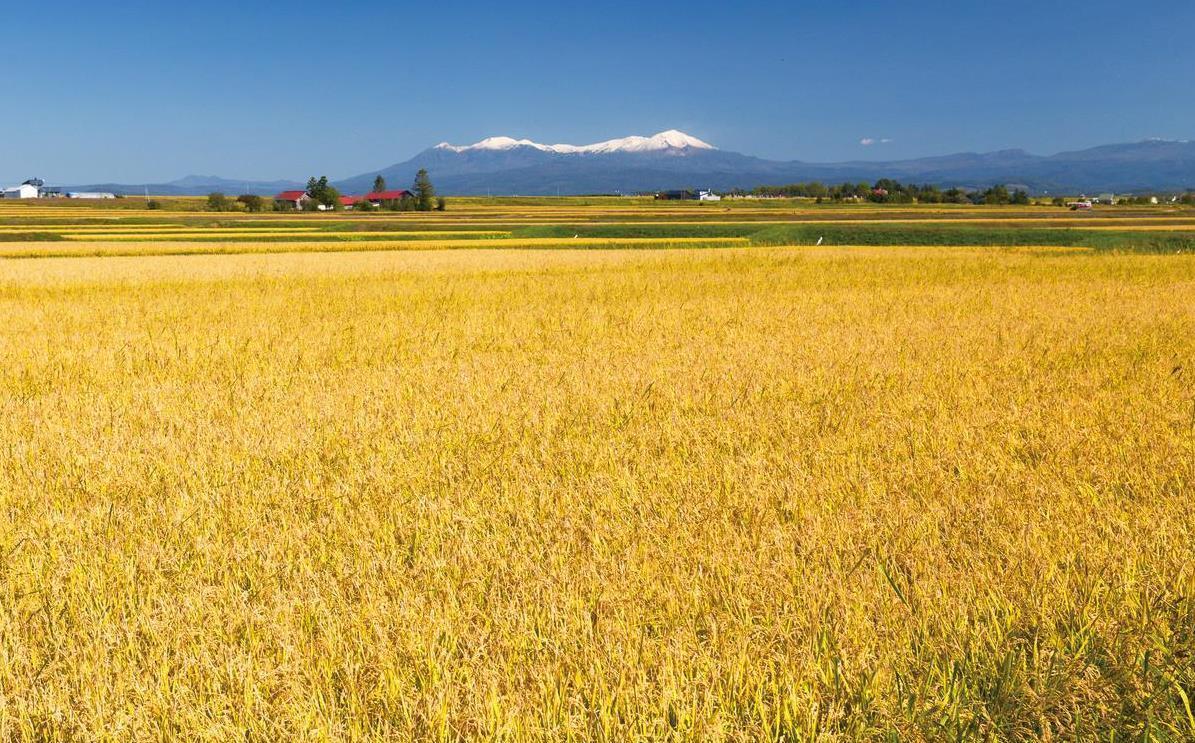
{"points": [[193, 185], [673, 159]]}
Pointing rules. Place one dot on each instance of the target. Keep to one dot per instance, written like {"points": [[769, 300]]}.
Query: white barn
{"points": [[23, 191]]}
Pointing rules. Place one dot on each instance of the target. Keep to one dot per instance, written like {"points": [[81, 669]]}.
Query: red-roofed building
{"points": [[292, 199], [296, 199], [378, 197]]}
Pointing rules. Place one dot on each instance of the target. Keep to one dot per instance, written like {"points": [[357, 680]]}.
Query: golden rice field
{"points": [[608, 489]]}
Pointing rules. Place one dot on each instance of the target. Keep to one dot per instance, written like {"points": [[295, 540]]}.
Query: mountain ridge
{"points": [[509, 166], [673, 159]]}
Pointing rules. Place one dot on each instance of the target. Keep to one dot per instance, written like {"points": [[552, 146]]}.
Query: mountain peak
{"points": [[668, 140]]}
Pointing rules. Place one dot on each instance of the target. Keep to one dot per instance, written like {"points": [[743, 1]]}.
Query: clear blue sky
{"points": [[141, 91]]}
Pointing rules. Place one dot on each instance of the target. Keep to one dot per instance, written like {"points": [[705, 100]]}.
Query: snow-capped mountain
{"points": [[669, 140], [506, 165]]}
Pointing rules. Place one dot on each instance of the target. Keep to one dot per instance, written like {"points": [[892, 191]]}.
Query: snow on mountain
{"points": [[669, 140]]}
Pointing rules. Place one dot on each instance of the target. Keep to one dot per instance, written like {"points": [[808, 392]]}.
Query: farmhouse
{"points": [[292, 199], [377, 198]]}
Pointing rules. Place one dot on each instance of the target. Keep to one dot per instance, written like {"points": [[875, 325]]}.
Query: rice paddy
{"points": [[291, 477]]}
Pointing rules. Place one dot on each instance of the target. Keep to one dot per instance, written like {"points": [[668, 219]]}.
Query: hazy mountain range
{"points": [[673, 159]]}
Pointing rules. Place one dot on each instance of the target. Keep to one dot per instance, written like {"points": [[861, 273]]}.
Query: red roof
{"points": [[290, 195], [387, 195], [349, 200]]}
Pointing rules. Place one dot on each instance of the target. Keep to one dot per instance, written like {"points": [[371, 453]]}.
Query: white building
{"points": [[708, 196], [90, 195], [23, 191]]}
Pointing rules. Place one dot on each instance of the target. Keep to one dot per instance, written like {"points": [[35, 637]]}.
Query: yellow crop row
{"points": [[225, 233]]}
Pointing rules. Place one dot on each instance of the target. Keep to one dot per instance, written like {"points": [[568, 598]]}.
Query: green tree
{"points": [[1019, 197], [379, 184], [929, 195], [425, 193], [441, 204], [322, 193], [218, 202], [252, 202], [996, 195], [404, 204], [954, 196]]}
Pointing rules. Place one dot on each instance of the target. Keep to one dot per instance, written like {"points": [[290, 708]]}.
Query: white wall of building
{"points": [[24, 191]]}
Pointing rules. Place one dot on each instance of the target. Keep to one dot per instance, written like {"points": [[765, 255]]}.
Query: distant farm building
{"points": [[296, 199], [36, 188], [23, 191], [292, 199], [377, 198]]}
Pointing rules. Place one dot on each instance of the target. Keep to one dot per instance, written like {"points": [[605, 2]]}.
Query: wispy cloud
{"points": [[869, 141]]}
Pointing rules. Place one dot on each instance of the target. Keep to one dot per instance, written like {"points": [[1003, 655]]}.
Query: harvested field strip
{"points": [[272, 236], [134, 248]]}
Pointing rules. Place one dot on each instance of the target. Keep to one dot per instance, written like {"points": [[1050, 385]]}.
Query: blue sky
{"points": [[140, 91]]}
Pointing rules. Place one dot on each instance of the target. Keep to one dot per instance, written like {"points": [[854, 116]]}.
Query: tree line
{"points": [[889, 191], [323, 196]]}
